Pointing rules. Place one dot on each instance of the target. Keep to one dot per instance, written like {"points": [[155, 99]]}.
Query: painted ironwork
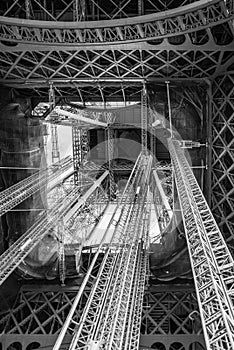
{"points": [[171, 318], [17, 193], [110, 118], [55, 144], [161, 189], [144, 120], [197, 16], [84, 10], [38, 314], [222, 155], [109, 301], [65, 208], [211, 261], [77, 151], [115, 252]]}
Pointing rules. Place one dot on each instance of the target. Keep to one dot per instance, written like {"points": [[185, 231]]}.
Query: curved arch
{"points": [[182, 20], [177, 346], [158, 346], [33, 345], [15, 346]]}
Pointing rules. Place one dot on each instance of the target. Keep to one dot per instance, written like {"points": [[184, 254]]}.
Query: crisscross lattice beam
{"points": [[222, 162]]}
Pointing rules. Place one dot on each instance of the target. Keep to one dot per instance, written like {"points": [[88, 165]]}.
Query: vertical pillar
{"points": [[169, 106], [209, 139], [27, 8], [61, 253], [75, 10], [222, 155], [55, 144], [76, 146], [78, 10], [144, 119], [54, 130], [140, 7]]}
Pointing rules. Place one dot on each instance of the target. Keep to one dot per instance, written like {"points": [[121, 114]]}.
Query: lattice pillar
{"points": [[77, 151], [55, 144], [61, 253], [144, 119], [110, 154], [27, 8], [78, 10], [170, 319], [110, 118], [54, 130], [222, 161]]}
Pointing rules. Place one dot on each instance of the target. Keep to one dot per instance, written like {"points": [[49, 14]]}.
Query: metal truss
{"points": [[144, 119], [110, 118], [64, 209], [80, 146], [111, 63], [70, 115], [222, 155], [38, 315], [182, 20], [171, 315], [161, 196], [55, 144], [77, 152], [117, 256], [110, 157], [17, 193], [110, 74], [211, 261], [84, 10]]}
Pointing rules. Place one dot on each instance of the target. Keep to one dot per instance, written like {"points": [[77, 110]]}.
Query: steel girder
{"points": [[17, 193], [63, 210], [113, 59], [38, 315], [222, 155], [211, 261], [77, 151], [108, 74], [170, 315], [85, 10], [116, 282], [144, 119], [55, 144], [114, 301], [182, 20]]}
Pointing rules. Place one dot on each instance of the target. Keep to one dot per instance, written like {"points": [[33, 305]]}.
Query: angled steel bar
{"points": [[111, 293], [162, 194], [79, 117], [65, 208], [17, 193], [211, 261], [118, 220]]}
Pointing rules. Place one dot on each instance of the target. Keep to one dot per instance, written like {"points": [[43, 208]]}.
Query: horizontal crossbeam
{"points": [[196, 16]]}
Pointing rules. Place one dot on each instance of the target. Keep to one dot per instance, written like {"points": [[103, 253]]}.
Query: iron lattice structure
{"points": [[86, 60], [191, 42], [222, 148], [170, 319], [38, 315], [211, 261]]}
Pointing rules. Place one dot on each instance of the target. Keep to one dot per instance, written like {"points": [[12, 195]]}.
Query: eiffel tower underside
{"points": [[126, 77]]}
